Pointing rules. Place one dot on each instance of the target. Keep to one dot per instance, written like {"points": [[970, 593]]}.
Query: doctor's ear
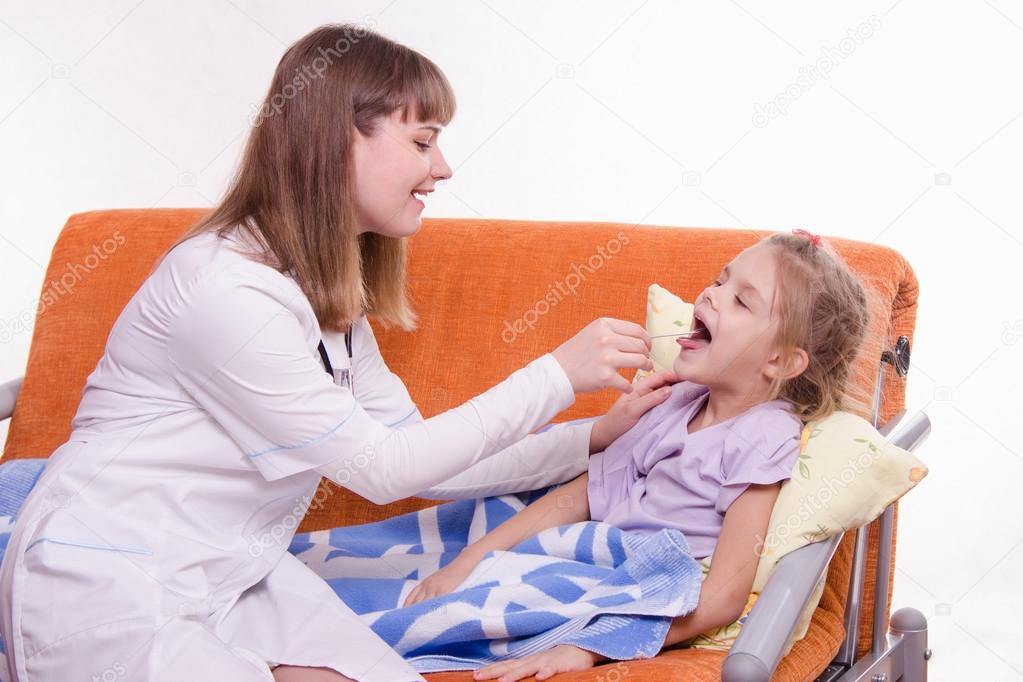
{"points": [[787, 365]]}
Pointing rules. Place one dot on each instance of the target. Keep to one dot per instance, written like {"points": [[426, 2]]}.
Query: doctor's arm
{"points": [[560, 453], [244, 355], [536, 461], [556, 455]]}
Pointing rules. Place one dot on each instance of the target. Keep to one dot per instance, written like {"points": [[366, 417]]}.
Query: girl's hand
{"points": [[561, 659], [592, 358], [443, 581], [627, 410]]}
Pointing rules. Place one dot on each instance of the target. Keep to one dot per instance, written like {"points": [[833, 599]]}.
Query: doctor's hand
{"points": [[627, 410], [592, 358]]}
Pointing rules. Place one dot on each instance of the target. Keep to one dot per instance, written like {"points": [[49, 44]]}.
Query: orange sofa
{"points": [[470, 280]]}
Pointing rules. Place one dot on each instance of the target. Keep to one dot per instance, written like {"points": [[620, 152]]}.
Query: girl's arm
{"points": [[565, 504], [723, 594], [733, 567]]}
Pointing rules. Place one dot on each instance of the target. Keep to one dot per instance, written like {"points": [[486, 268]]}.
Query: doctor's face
{"points": [[395, 168]]}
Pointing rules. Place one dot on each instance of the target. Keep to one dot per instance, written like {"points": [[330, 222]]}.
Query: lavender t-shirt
{"points": [[658, 475]]}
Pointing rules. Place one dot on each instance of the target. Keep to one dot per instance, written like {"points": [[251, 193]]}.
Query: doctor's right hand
{"points": [[592, 358]]}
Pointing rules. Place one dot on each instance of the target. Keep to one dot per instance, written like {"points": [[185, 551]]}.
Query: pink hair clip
{"points": [[815, 239]]}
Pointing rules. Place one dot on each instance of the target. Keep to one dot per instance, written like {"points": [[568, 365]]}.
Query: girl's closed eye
{"points": [[422, 146], [738, 300]]}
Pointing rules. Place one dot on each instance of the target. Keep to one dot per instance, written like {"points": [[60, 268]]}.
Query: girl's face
{"points": [[736, 312], [394, 164]]}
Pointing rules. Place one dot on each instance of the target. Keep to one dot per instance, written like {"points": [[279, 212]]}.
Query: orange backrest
{"points": [[491, 295]]}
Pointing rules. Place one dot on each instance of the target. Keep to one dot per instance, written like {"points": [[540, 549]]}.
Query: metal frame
{"points": [[899, 654], [8, 396]]}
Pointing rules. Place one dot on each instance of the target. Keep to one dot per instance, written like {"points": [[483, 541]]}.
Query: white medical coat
{"points": [[154, 545]]}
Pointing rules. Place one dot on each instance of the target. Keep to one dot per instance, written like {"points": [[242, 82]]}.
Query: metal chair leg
{"points": [[911, 626]]}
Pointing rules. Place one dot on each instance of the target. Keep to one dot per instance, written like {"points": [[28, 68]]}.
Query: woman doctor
{"points": [[148, 549]]}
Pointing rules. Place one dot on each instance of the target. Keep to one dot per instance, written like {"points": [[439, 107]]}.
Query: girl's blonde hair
{"points": [[294, 191], [824, 309]]}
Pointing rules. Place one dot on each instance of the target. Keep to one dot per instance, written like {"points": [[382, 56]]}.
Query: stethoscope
{"points": [[342, 377]]}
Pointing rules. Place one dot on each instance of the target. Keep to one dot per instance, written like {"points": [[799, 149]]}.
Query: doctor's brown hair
{"points": [[294, 190]]}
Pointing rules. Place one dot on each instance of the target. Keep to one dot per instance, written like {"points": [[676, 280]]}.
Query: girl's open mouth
{"points": [[700, 338]]}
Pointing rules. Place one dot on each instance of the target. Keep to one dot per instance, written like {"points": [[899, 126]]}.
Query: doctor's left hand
{"points": [[561, 659]]}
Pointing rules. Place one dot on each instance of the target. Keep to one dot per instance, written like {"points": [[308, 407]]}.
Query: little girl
{"points": [[776, 336]]}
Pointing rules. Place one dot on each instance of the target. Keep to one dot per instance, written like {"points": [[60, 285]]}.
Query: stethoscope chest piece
{"points": [[342, 375]]}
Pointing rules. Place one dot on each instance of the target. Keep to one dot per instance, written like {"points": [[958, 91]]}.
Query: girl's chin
{"points": [[685, 369]]}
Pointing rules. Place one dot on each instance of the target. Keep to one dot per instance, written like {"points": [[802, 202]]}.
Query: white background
{"points": [[632, 112]]}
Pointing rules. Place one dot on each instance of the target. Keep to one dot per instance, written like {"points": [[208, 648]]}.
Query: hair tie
{"points": [[815, 239]]}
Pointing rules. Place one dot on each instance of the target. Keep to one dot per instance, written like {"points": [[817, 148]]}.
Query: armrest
{"points": [[8, 396], [758, 648]]}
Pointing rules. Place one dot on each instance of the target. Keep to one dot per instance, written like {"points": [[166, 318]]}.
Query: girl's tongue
{"points": [[693, 344]]}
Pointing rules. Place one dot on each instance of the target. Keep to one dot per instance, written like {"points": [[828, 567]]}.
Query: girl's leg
{"points": [[294, 673]]}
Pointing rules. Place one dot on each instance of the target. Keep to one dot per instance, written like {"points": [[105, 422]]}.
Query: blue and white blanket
{"points": [[17, 478], [588, 584]]}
